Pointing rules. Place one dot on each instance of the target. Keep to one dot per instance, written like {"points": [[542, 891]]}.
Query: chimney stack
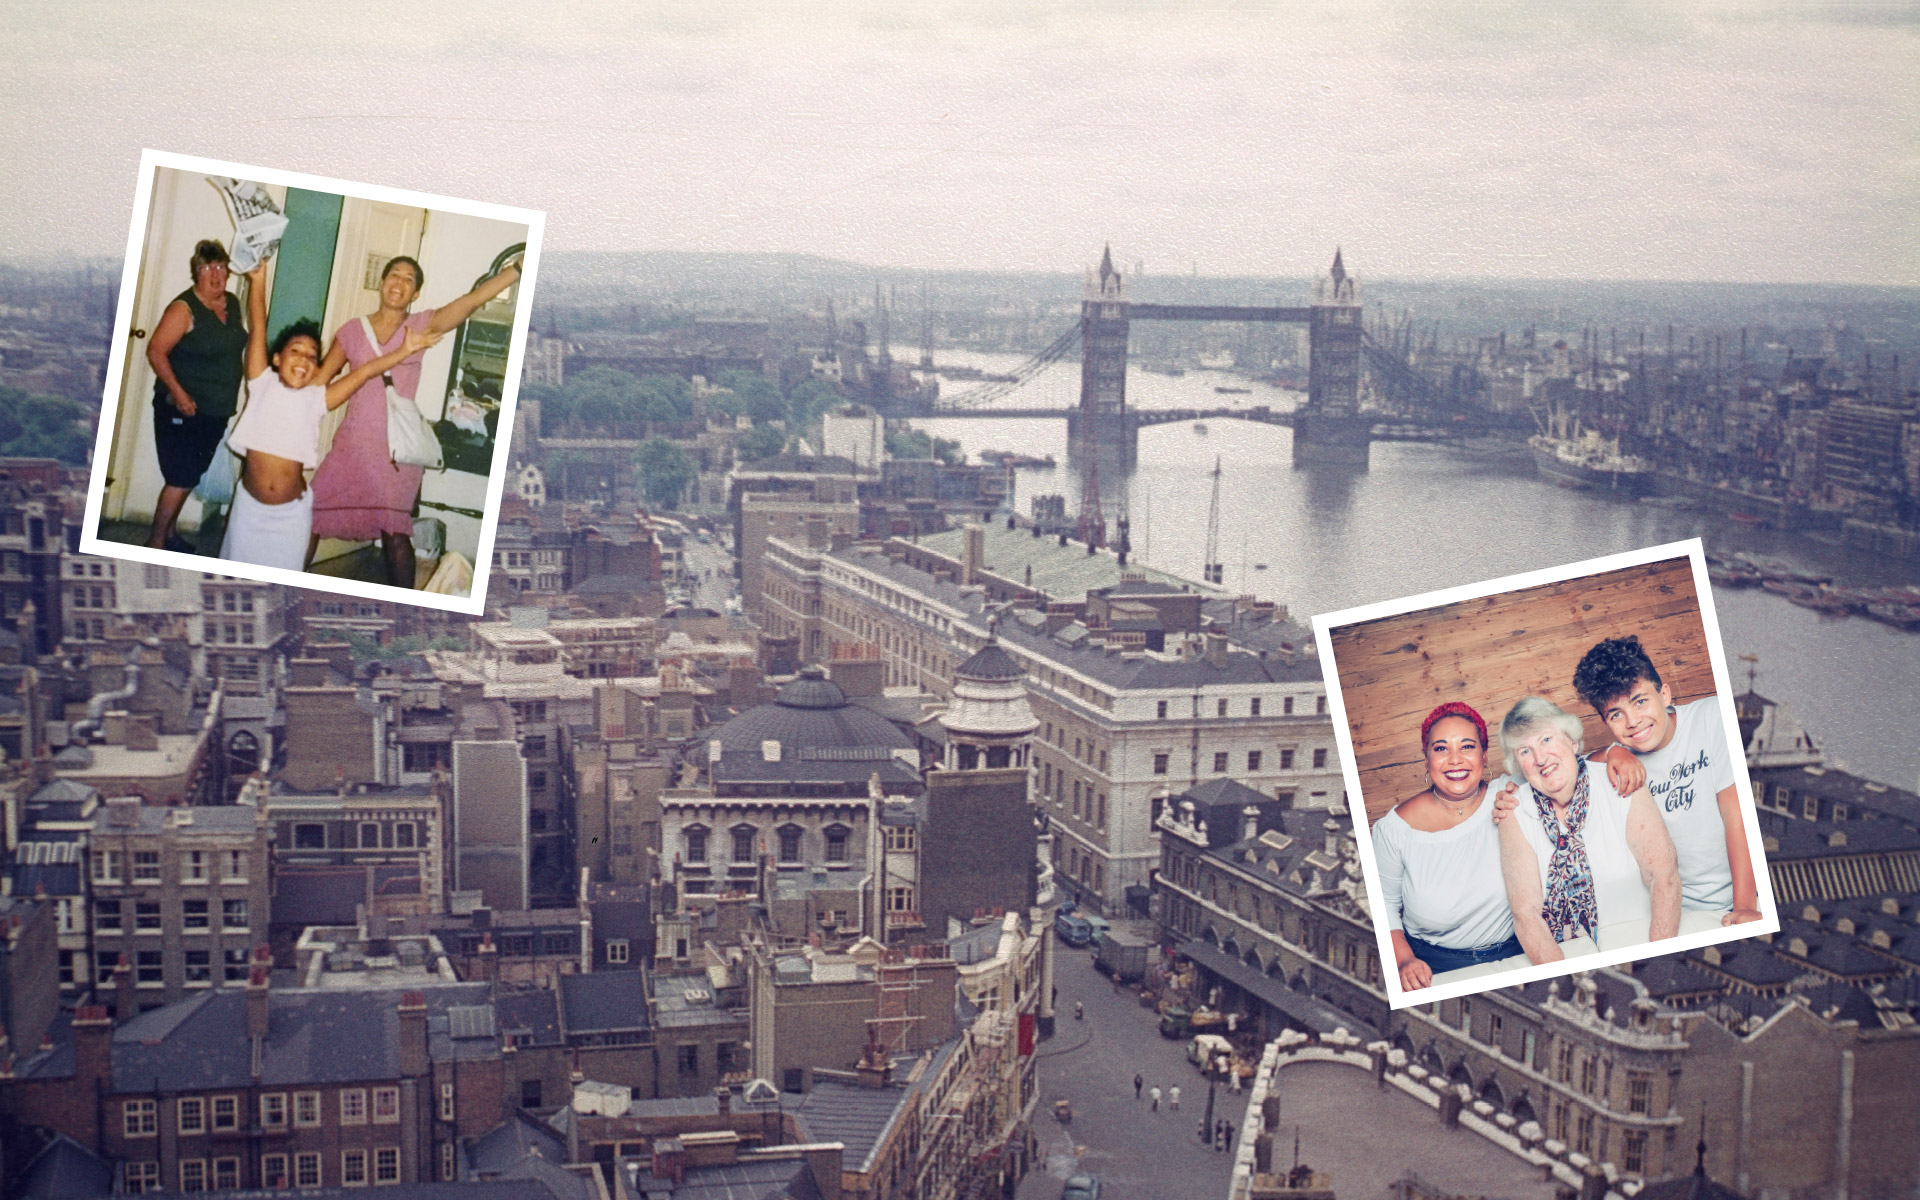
{"points": [[1250, 823], [973, 555], [413, 1034], [258, 995], [92, 1044], [1333, 836], [669, 1159], [723, 1098], [488, 968]]}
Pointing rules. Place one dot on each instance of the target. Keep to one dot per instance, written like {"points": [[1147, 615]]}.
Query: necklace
{"points": [[1460, 813]]}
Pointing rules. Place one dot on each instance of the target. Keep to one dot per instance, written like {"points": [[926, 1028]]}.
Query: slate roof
{"points": [[604, 1001], [64, 790], [989, 662], [512, 1142], [1750, 962], [63, 1170], [533, 1012], [1798, 839], [1026, 631], [1832, 783], [856, 1116], [1671, 975], [1065, 573], [763, 1179], [312, 1037]]}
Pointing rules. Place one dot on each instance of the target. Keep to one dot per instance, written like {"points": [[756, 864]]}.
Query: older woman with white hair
{"points": [[1579, 857]]}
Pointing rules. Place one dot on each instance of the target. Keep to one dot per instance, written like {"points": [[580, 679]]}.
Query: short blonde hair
{"points": [[1520, 721]]}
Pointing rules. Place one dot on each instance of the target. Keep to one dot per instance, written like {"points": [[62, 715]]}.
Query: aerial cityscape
{"points": [[896, 761]]}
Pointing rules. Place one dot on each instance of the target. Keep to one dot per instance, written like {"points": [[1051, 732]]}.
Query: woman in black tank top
{"points": [[196, 353]]}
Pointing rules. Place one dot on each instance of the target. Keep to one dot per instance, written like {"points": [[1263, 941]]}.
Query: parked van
{"points": [[1073, 928]]}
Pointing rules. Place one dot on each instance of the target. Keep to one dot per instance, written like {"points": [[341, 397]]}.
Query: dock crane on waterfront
{"points": [[1212, 570]]}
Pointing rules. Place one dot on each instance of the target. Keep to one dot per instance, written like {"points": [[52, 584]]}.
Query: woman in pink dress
{"points": [[359, 493]]}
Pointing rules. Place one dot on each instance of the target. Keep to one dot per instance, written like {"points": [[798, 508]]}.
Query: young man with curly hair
{"points": [[1689, 771]]}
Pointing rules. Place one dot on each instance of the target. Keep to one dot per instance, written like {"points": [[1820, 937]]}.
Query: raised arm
{"points": [[1521, 870], [448, 316], [339, 391], [257, 321], [1653, 849], [330, 365], [1746, 890], [175, 323]]}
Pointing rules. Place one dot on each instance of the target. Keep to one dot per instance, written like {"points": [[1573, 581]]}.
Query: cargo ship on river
{"points": [[1570, 456]]}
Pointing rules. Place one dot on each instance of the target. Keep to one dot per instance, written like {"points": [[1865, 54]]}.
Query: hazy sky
{"points": [[1652, 141]]}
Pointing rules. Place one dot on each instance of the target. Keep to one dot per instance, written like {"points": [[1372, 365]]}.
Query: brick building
{"points": [[180, 896]]}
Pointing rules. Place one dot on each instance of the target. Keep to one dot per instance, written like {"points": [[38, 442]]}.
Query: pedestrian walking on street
{"points": [[1155, 1093], [1138, 1082], [1173, 1097], [1226, 1134], [1233, 1080]]}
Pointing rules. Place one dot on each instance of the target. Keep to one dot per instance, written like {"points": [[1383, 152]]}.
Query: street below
{"points": [[1364, 1136]]}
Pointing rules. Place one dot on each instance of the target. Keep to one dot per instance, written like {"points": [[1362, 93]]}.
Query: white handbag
{"points": [[410, 438]]}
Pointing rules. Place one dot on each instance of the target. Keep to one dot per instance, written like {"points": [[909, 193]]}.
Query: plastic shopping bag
{"points": [[257, 223], [222, 474]]}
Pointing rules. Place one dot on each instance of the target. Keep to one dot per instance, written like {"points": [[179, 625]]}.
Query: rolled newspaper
{"points": [[257, 223]]}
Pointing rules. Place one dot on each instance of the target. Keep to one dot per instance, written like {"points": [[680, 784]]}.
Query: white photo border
{"points": [[1692, 550], [474, 603]]}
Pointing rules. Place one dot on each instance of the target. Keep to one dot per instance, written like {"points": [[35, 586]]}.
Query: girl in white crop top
{"points": [[279, 431]]}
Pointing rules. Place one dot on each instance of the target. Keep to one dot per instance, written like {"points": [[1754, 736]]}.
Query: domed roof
{"points": [[812, 690], [810, 713], [990, 662]]}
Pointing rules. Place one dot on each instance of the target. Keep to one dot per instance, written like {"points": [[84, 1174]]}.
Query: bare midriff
{"points": [[271, 479]]}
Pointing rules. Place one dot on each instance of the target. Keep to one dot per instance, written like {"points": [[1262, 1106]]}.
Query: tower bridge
{"points": [[1328, 428]]}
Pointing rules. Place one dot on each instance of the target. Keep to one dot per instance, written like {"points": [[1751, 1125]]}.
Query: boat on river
{"points": [[1567, 455]]}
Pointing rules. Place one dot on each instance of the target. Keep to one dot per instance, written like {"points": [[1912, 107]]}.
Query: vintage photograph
{"points": [[316, 382], [1546, 775], [885, 751]]}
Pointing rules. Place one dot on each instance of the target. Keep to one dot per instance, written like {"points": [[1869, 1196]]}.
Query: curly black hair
{"points": [[305, 327], [1609, 671]]}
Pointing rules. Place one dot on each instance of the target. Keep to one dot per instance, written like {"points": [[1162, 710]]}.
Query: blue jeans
{"points": [[1445, 958]]}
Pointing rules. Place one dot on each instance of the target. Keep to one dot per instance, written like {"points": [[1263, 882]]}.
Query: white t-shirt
{"points": [[1619, 894], [1686, 779], [1445, 887], [281, 420]]}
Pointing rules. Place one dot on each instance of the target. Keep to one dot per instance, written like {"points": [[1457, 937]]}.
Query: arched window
{"points": [[696, 836], [243, 754], [789, 843], [836, 836], [743, 838]]}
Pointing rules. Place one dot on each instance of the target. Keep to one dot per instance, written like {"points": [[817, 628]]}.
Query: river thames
{"points": [[1427, 516]]}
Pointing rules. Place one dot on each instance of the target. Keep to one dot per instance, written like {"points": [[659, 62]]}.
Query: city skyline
{"points": [[1703, 144]]}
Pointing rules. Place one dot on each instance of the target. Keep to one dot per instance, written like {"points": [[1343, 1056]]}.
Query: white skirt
{"points": [[268, 535]]}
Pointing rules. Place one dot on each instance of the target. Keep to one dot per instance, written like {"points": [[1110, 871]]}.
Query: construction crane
{"points": [[1212, 570]]}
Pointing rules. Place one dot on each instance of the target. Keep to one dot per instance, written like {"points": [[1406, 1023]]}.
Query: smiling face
{"points": [[1549, 760], [1640, 719], [297, 362], [399, 285], [1456, 758]]}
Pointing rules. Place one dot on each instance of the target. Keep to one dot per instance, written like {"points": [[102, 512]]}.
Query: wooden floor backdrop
{"points": [[1493, 651]]}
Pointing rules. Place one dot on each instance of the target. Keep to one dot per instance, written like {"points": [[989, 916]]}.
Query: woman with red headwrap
{"points": [[1439, 858]]}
